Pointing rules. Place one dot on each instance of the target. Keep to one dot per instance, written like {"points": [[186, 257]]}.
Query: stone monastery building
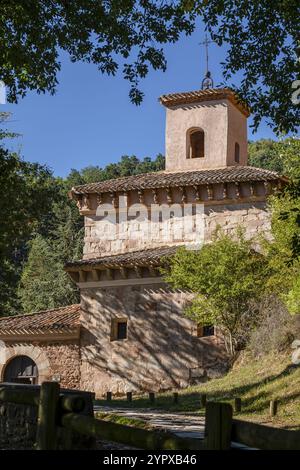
{"points": [[129, 333]]}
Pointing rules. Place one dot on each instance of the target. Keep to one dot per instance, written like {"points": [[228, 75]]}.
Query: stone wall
{"points": [[103, 238], [18, 423], [55, 360], [161, 351]]}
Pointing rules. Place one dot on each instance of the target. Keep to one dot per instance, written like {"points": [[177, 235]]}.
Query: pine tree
{"points": [[44, 284]]}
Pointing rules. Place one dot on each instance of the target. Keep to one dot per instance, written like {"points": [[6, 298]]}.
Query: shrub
{"points": [[275, 328]]}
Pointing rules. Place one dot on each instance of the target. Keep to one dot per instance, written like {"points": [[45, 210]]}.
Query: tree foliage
{"points": [[109, 34], [41, 228], [283, 251], [262, 37], [282, 156], [28, 193], [44, 284], [225, 276]]}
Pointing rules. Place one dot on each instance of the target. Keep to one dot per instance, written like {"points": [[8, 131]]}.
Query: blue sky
{"points": [[90, 120]]}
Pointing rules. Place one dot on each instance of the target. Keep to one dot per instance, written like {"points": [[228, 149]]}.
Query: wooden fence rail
{"points": [[59, 410], [139, 438]]}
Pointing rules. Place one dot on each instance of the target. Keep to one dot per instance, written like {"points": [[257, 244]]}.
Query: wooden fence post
{"points": [[203, 398], [273, 408], [218, 424], [129, 396], [175, 397], [237, 405], [151, 397], [46, 438]]}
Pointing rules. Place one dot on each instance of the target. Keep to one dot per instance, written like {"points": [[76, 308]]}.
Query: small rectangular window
{"points": [[207, 330], [118, 329], [122, 330]]}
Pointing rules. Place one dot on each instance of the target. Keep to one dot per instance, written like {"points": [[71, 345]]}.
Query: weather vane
{"points": [[207, 82]]}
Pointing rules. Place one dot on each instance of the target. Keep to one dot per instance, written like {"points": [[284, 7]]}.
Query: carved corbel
{"points": [[96, 275], [114, 199], [267, 187], [109, 274], [183, 194], [85, 202], [152, 271], [79, 201], [138, 271], [155, 196], [82, 276], [169, 195], [141, 196], [237, 190], [210, 193], [124, 273], [99, 199], [197, 193]]}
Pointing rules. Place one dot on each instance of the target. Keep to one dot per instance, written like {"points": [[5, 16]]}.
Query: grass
{"points": [[256, 382], [113, 418]]}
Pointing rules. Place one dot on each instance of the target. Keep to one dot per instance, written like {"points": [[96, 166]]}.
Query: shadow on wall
{"points": [[161, 350]]}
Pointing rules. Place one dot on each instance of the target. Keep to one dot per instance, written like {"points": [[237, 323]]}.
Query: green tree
{"points": [[283, 251], [292, 298], [282, 156], [59, 237], [44, 284], [28, 191], [110, 34], [262, 39], [263, 154], [226, 276]]}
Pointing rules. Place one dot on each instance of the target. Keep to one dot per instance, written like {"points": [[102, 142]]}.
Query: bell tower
{"points": [[205, 129]]}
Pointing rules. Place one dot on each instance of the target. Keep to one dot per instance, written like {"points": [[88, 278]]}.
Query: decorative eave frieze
{"points": [[48, 335], [86, 276], [207, 194], [135, 267]]}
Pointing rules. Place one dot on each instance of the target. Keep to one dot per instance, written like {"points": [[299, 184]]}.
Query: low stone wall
{"points": [[18, 423]]}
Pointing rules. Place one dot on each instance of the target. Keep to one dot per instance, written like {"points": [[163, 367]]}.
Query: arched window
{"points": [[237, 153], [21, 369], [195, 141]]}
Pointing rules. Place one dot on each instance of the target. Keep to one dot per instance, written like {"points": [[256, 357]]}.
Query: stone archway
{"points": [[21, 369], [36, 354]]}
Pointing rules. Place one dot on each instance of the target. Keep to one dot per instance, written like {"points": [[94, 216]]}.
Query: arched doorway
{"points": [[21, 369]]}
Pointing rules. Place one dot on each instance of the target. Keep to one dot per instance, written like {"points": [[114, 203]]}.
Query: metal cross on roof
{"points": [[207, 82]]}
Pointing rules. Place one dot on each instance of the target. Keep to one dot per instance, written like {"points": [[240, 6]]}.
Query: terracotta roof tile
{"points": [[57, 320], [174, 99], [174, 179], [150, 257]]}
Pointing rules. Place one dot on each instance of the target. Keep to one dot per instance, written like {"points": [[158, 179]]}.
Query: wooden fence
{"points": [[58, 410]]}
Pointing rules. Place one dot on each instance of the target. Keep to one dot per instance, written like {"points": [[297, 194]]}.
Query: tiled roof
{"points": [[174, 99], [59, 320], [174, 179], [150, 257]]}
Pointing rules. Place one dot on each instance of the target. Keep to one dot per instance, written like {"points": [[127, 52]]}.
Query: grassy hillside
{"points": [[255, 381]]}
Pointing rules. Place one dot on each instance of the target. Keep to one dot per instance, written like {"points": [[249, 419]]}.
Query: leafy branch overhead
{"points": [[261, 39], [263, 43], [106, 33]]}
